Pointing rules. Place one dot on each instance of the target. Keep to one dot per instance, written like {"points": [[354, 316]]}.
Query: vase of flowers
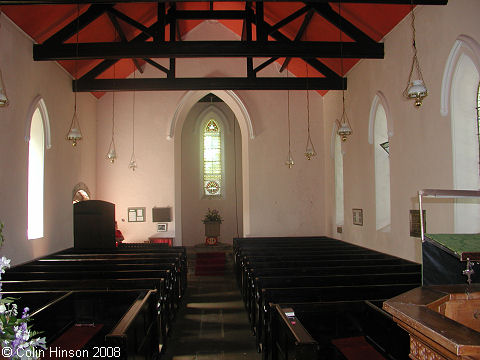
{"points": [[212, 221], [17, 339]]}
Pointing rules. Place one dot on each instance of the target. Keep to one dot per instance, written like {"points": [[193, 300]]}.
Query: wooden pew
{"points": [[314, 270], [306, 263], [158, 284], [322, 294], [126, 323], [176, 279], [170, 299], [294, 281], [311, 330]]}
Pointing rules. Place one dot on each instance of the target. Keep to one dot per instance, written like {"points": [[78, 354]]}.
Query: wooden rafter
{"points": [[121, 33], [229, 83], [199, 49], [300, 33]]}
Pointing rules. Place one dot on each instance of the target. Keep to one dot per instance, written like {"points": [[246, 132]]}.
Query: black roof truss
{"points": [[363, 46]]}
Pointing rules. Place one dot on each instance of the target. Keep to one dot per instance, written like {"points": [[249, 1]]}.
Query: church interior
{"points": [[293, 120]]}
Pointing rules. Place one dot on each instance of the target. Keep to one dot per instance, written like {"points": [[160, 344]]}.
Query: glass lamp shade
{"points": [[112, 153], [310, 153], [74, 135], [133, 163], [418, 91], [289, 161], [3, 99], [344, 130]]}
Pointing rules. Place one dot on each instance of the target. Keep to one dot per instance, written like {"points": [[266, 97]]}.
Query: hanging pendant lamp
{"points": [[344, 128], [74, 133], [310, 148], [112, 153], [415, 88], [133, 162], [289, 161]]}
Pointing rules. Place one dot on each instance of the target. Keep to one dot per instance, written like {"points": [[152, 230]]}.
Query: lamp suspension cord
{"points": [[288, 118], [308, 105], [133, 115], [113, 101], [415, 62], [76, 59], [341, 56]]}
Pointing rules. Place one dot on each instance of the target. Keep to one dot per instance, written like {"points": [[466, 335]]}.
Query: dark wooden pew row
{"points": [[149, 250], [242, 256], [157, 284], [293, 281], [250, 265], [92, 272], [251, 287], [176, 279], [122, 324], [305, 331], [272, 296]]}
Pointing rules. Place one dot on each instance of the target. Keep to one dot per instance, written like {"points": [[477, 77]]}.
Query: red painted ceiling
{"points": [[42, 21]]}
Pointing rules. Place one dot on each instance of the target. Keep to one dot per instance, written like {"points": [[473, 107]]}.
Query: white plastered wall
{"points": [[420, 150], [65, 166], [276, 200]]}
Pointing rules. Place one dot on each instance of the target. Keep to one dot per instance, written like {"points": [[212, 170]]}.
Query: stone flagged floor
{"points": [[212, 323]]}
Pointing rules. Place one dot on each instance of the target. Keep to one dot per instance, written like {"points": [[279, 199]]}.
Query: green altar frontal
{"points": [[463, 246]]}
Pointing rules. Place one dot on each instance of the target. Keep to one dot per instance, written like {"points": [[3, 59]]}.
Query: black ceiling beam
{"points": [[316, 64], [122, 35], [90, 15], [131, 21], [290, 18], [157, 65], [210, 14], [233, 83], [105, 64], [59, 2], [344, 25], [198, 49], [264, 64], [298, 37]]}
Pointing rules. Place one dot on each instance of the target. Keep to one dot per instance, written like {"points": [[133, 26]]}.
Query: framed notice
{"points": [[415, 223], [161, 227], [136, 214], [357, 217]]}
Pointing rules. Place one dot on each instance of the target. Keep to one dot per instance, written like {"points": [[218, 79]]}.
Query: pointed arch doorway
{"points": [[190, 202]]}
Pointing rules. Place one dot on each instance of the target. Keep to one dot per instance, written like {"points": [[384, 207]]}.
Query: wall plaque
{"points": [[415, 223]]}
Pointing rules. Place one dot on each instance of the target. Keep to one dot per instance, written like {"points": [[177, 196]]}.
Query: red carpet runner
{"points": [[210, 264], [357, 348]]}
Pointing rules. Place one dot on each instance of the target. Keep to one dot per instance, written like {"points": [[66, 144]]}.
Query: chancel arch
{"points": [[245, 133]]}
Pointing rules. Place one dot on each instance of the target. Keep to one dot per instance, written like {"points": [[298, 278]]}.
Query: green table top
{"points": [[458, 244]]}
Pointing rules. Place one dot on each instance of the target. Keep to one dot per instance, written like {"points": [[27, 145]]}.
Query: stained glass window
{"points": [[212, 159]]}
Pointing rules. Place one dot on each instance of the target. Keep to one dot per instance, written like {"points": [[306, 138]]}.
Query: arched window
{"points": [[339, 207], [380, 141], [212, 158], [37, 126], [464, 119], [80, 193]]}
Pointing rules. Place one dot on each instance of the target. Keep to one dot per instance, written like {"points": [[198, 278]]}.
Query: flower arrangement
{"points": [[17, 339], [212, 215]]}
